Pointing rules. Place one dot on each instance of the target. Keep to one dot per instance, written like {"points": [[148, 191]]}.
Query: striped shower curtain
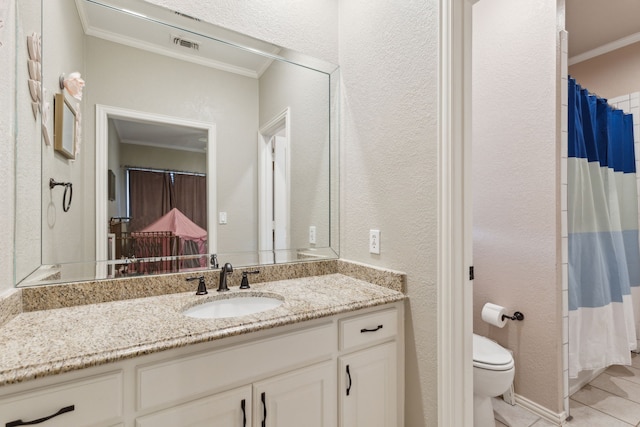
{"points": [[604, 255]]}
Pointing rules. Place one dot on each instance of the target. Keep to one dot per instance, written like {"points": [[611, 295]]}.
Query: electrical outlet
{"points": [[312, 235], [374, 241]]}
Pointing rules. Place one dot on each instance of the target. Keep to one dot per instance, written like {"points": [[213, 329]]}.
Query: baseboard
{"points": [[541, 411]]}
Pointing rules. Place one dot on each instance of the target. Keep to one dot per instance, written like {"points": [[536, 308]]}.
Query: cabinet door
{"points": [[227, 409], [368, 387], [305, 397]]}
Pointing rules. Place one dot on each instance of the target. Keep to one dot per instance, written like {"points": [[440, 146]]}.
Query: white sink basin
{"points": [[233, 307]]}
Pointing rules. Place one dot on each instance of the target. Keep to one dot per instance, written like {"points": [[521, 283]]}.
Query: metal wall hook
{"points": [[68, 187]]}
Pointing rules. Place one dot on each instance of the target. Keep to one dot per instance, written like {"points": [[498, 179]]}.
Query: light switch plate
{"points": [[374, 241]]}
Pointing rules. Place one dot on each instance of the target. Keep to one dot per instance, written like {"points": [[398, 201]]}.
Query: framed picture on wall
{"points": [[64, 127]]}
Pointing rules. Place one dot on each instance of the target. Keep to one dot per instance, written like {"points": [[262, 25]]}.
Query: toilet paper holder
{"points": [[516, 316]]}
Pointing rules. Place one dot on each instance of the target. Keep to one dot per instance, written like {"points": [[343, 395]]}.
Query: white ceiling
{"points": [[161, 135], [598, 26]]}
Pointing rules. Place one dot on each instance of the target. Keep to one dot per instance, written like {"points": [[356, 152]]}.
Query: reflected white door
{"points": [[274, 176]]}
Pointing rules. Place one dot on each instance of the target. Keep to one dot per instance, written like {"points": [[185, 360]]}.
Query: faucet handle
{"points": [[245, 280], [202, 287]]}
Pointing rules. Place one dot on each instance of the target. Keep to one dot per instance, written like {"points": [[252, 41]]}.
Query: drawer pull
{"points": [[348, 376], [17, 423], [362, 331], [264, 409], [244, 413]]}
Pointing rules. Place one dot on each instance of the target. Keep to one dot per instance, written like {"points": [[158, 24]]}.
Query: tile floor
{"points": [[610, 400]]}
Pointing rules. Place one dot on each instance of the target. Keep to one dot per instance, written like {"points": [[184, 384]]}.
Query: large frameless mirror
{"points": [[187, 141]]}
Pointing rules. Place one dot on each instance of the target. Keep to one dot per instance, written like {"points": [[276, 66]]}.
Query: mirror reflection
{"points": [[192, 141]]}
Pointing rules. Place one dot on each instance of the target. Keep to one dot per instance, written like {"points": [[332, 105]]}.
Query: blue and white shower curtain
{"points": [[604, 254]]}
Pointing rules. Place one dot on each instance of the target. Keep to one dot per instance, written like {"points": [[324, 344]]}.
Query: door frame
{"points": [[455, 292], [103, 114]]}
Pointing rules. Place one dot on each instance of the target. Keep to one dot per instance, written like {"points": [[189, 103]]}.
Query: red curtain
{"points": [[191, 197], [153, 194]]}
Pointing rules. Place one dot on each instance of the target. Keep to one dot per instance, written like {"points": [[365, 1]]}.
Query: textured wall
{"points": [[516, 185], [309, 27], [7, 116], [388, 60]]}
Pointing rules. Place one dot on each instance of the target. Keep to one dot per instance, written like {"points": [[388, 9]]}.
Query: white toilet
{"points": [[493, 371]]}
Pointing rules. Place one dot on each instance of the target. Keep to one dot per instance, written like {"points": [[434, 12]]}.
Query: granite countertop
{"points": [[48, 342]]}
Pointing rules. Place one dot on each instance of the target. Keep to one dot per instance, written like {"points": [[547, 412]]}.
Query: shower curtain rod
{"points": [[596, 95], [137, 168]]}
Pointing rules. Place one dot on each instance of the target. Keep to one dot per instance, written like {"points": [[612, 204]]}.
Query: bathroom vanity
{"points": [[116, 352], [331, 354]]}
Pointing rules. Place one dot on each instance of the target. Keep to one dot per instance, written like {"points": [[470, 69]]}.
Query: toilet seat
{"points": [[490, 355]]}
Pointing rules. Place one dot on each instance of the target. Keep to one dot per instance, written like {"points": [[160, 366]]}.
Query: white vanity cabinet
{"points": [[289, 376], [370, 375]]}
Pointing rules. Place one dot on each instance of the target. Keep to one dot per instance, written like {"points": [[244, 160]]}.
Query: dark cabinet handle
{"points": [[362, 331], [244, 413], [349, 377], [264, 410], [17, 423]]}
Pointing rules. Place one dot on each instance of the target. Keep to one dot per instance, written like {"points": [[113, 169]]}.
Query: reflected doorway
{"points": [[274, 189], [106, 118]]}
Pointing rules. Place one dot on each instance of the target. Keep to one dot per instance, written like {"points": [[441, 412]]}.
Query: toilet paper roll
{"points": [[492, 314]]}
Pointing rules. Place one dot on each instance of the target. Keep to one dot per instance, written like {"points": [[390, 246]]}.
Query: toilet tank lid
{"points": [[489, 354]]}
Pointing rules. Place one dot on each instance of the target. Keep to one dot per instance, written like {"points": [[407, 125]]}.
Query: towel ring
{"points": [[68, 187]]}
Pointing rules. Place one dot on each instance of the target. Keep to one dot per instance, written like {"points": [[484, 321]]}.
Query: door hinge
{"points": [[471, 273]]}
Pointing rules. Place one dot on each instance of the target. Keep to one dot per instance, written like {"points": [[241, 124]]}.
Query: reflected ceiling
{"points": [[173, 40], [161, 135]]}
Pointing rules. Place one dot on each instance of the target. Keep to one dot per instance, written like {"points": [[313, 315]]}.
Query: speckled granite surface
{"points": [[391, 279], [10, 305], [82, 293], [48, 342]]}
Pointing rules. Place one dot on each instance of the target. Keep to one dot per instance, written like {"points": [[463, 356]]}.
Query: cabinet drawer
{"points": [[95, 400], [194, 376], [368, 328], [228, 409]]}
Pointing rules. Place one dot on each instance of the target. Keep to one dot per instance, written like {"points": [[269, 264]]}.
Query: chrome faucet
{"points": [[226, 269]]}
